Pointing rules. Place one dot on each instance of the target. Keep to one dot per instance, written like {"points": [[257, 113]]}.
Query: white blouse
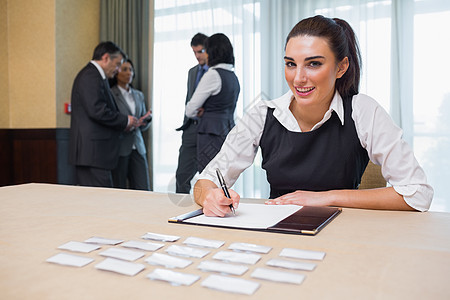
{"points": [[128, 96], [376, 131]]}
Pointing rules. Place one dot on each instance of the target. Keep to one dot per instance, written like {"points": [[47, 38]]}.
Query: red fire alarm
{"points": [[67, 108]]}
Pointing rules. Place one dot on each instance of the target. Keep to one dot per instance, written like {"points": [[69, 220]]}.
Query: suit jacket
{"points": [[133, 137], [96, 123], [192, 77]]}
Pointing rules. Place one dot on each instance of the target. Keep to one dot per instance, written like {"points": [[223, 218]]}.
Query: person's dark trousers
{"points": [[89, 176], [208, 145], [133, 168], [187, 160]]}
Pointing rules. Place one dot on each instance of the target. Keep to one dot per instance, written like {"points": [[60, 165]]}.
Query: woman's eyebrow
{"points": [[306, 59], [314, 57]]}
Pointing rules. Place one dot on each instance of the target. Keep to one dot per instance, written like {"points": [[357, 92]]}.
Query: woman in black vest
{"points": [[316, 139], [214, 99]]}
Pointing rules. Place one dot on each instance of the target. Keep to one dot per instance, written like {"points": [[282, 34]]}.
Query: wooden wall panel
{"points": [[35, 157], [28, 155], [6, 162]]}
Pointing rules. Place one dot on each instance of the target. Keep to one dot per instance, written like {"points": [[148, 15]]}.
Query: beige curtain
{"points": [[126, 22]]}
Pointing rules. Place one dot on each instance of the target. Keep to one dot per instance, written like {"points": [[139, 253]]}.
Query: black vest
{"points": [[225, 101], [218, 117], [328, 158]]}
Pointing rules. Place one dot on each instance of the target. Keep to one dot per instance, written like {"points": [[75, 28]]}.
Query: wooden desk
{"points": [[369, 254]]}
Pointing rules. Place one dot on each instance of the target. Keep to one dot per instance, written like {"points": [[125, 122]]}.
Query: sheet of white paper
{"points": [[79, 247], [125, 254], [278, 276], [167, 261], [70, 260], [224, 268], [229, 284], [120, 266], [160, 237], [237, 257], [175, 278], [194, 241], [302, 254], [249, 247], [257, 216], [102, 241], [148, 246], [294, 265], [187, 251]]}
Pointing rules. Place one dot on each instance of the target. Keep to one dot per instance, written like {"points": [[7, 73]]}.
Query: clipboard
{"points": [[308, 220]]}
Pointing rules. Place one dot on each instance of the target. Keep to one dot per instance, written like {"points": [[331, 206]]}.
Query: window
{"points": [[176, 22], [431, 101]]}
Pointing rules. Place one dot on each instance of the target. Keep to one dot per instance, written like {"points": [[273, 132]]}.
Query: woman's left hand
{"points": [[200, 112], [145, 119], [303, 198]]}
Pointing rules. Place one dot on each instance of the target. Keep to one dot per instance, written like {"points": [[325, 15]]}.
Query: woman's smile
{"points": [[304, 91]]}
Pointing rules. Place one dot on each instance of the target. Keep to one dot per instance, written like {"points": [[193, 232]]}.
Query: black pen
{"points": [[225, 189]]}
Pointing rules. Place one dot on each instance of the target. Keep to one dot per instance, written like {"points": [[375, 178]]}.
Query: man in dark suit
{"points": [[187, 159], [96, 123]]}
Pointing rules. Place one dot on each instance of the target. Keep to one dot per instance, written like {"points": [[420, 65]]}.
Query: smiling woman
{"points": [[317, 139]]}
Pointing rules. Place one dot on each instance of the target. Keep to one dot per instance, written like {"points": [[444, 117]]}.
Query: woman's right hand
{"points": [[213, 200]]}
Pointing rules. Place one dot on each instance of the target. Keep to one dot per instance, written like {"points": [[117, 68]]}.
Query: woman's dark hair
{"points": [[342, 42], [113, 81], [219, 50]]}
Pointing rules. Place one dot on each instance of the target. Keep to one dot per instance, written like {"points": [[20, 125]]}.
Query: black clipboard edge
{"points": [[302, 232], [325, 214], [275, 229]]}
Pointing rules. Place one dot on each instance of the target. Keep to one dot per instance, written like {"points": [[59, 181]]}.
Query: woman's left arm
{"points": [[381, 198], [382, 139]]}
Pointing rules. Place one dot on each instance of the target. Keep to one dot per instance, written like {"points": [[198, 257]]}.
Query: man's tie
{"points": [[106, 82], [108, 91], [200, 73]]}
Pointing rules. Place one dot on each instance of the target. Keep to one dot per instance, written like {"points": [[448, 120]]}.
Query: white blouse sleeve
{"points": [[240, 147], [210, 84], [383, 141]]}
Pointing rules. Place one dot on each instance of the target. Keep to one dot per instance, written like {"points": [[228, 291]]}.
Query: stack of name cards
{"points": [[223, 266]]}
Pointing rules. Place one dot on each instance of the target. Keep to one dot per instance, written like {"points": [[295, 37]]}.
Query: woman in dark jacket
{"points": [[132, 166]]}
